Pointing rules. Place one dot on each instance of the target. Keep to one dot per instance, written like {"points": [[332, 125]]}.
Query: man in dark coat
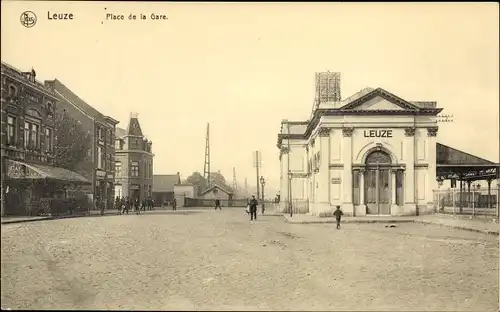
{"points": [[253, 208]]}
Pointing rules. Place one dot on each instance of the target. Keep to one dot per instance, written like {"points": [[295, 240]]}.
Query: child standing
{"points": [[338, 215]]}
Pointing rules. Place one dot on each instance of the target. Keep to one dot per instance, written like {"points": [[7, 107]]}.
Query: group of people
{"points": [[125, 204], [253, 203]]}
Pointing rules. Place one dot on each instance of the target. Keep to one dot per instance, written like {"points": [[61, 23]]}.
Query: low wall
{"points": [[200, 202]]}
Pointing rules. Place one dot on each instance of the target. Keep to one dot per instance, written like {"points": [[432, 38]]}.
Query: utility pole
{"points": [[257, 165], [444, 118], [206, 166], [235, 183], [289, 174]]}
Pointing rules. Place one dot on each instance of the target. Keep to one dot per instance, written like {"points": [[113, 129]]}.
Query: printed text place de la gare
{"points": [[59, 16], [132, 16]]}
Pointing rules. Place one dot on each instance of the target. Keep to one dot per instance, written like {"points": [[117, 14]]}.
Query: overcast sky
{"points": [[245, 67]]}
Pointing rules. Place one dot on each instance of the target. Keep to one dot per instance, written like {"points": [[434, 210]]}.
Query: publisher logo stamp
{"points": [[28, 19]]}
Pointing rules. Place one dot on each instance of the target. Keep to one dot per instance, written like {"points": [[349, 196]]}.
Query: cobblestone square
{"points": [[218, 260]]}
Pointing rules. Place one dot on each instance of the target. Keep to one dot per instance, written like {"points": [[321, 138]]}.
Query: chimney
{"points": [[178, 178]]}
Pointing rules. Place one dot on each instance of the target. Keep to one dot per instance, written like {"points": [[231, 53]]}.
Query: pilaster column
{"points": [[347, 205], [324, 167], [431, 171], [409, 182], [309, 176], [284, 187], [393, 187]]}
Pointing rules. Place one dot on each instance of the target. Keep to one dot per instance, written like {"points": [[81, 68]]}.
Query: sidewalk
{"points": [[475, 225], [19, 219]]}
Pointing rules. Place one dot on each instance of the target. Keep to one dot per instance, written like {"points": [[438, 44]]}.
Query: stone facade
{"points": [[372, 154], [134, 162]]}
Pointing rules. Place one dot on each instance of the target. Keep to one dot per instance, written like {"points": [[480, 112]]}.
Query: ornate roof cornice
{"points": [[408, 109], [383, 94]]}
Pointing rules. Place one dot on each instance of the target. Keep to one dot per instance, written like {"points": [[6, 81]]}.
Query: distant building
{"points": [[216, 178], [29, 179], [217, 191], [98, 166], [184, 191], [134, 162], [164, 187]]}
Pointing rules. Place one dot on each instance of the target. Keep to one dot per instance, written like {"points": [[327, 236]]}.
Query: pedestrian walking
{"points": [[137, 206], [126, 206], [118, 204], [102, 206], [122, 205], [253, 208], [338, 215], [217, 204], [174, 204]]}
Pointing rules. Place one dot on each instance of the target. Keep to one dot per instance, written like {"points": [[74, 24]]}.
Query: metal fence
{"points": [[477, 202]]}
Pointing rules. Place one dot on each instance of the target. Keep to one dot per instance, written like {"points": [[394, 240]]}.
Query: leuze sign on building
{"points": [[377, 133], [374, 153]]}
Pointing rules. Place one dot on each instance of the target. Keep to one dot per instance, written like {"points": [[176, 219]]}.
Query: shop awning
{"points": [[453, 163], [26, 171]]}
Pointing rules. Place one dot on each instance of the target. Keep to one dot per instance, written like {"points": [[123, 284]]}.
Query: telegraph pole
{"points": [[289, 174], [257, 164]]}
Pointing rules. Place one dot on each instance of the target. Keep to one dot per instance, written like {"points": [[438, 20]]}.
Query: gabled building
{"points": [[134, 162], [373, 153], [98, 166], [29, 178], [217, 191], [164, 187]]}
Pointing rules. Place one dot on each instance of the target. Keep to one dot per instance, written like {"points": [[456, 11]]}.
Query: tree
{"points": [[197, 180], [71, 142]]}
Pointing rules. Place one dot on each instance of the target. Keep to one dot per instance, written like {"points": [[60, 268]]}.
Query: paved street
{"points": [[213, 260]]}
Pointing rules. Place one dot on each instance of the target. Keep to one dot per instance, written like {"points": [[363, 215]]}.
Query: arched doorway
{"points": [[377, 183]]}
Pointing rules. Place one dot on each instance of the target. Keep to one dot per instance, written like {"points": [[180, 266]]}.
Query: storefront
{"points": [[28, 186], [373, 154]]}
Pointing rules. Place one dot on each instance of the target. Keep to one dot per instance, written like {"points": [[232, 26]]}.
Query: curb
{"points": [[27, 220], [55, 218], [459, 227], [397, 221], [347, 221]]}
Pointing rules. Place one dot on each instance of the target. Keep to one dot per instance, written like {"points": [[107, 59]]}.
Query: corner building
{"points": [[373, 154], [134, 162]]}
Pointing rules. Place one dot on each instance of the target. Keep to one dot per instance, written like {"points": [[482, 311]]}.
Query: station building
{"points": [[373, 154]]}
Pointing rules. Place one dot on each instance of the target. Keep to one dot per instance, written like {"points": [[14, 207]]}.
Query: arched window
{"points": [[49, 108], [12, 92], [378, 158]]}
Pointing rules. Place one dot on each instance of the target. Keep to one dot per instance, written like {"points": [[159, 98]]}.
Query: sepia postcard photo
{"points": [[250, 156]]}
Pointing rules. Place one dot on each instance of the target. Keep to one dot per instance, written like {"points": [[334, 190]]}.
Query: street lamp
{"points": [[262, 182]]}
